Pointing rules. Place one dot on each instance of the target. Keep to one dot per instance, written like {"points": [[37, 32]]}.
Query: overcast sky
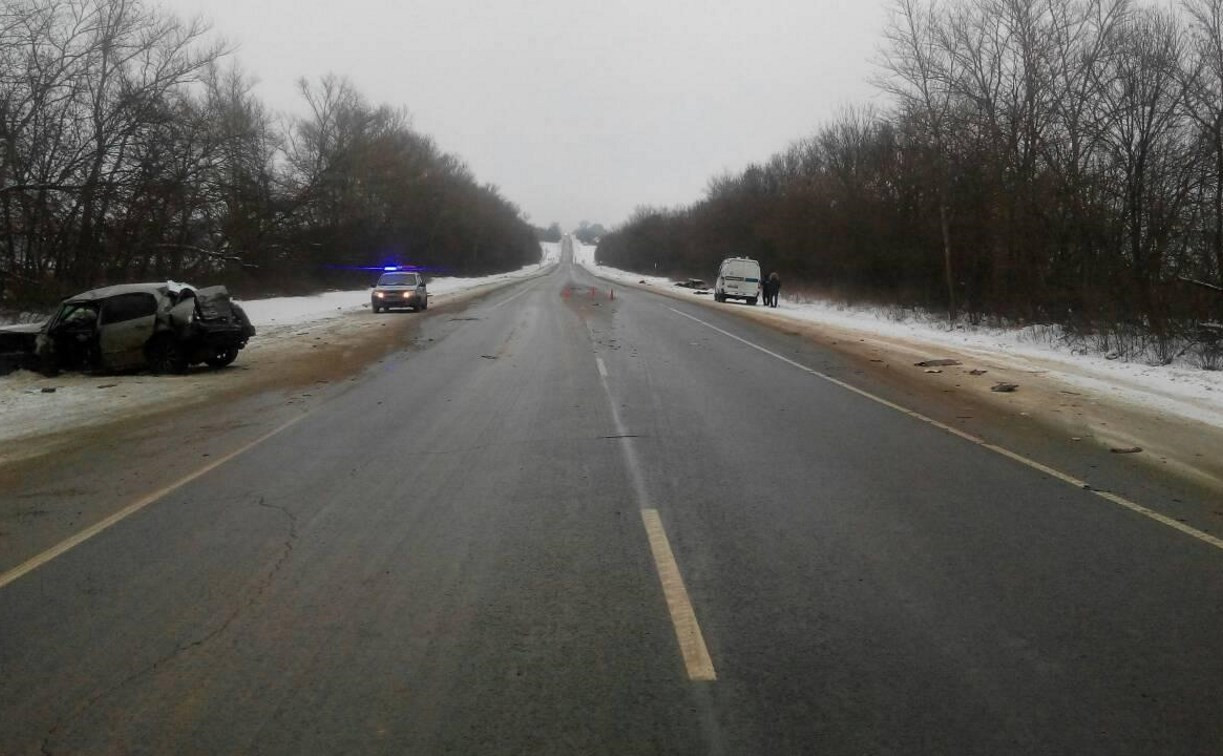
{"points": [[577, 109]]}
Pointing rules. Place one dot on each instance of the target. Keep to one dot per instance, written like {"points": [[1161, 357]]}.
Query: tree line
{"points": [[132, 147], [586, 232], [1056, 161]]}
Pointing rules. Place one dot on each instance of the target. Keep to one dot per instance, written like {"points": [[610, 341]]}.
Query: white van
{"points": [[738, 278]]}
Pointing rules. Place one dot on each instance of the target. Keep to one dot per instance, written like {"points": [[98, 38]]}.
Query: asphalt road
{"points": [[451, 556]]}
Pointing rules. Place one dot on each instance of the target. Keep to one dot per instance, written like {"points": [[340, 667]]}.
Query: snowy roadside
{"points": [[272, 316], [1181, 390], [33, 406]]}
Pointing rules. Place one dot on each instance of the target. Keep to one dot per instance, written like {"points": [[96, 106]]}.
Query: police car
{"points": [[399, 289]]}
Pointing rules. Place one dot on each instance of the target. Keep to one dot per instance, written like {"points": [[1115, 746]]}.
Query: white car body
{"points": [[738, 278]]}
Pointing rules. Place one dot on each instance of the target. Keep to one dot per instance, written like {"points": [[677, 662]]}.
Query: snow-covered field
{"points": [[32, 405], [1179, 389]]}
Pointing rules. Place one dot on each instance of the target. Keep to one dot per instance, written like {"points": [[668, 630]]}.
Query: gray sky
{"points": [[577, 109]]}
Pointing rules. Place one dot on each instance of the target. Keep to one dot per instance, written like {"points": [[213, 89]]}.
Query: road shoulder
{"points": [[1095, 418]]}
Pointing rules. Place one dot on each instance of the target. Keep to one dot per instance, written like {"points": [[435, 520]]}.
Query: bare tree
{"points": [[1140, 113], [1204, 103], [922, 61]]}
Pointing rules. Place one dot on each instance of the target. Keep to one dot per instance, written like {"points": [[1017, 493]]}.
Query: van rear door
{"points": [[746, 277]]}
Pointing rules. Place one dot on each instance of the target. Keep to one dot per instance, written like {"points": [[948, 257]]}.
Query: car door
{"points": [[126, 324]]}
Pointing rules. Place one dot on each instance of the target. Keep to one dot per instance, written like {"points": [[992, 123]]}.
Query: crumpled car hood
{"points": [[23, 328]]}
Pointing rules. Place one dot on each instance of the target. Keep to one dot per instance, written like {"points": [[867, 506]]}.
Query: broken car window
{"points": [[128, 307]]}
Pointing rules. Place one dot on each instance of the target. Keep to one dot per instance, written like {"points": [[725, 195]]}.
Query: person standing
{"points": [[774, 288]]}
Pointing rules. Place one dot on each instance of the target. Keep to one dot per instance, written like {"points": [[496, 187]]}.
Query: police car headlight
{"points": [[379, 294]]}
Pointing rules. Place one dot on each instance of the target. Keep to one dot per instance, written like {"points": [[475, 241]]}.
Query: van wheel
{"points": [[752, 301]]}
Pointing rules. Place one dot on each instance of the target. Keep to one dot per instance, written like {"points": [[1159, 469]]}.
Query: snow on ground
{"points": [[31, 405], [1178, 389], [282, 311]]}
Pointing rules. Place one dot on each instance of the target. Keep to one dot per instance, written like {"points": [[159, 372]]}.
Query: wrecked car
{"points": [[164, 327]]}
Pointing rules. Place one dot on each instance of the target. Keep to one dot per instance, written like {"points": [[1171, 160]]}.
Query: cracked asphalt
{"points": [[447, 555]]}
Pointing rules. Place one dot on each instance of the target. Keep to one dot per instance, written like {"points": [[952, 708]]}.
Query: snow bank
{"points": [[1183, 390], [294, 310], [278, 311], [32, 406]]}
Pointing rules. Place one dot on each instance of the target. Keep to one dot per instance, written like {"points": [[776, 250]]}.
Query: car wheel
{"points": [[374, 306], [752, 301], [48, 365], [222, 357], [166, 356]]}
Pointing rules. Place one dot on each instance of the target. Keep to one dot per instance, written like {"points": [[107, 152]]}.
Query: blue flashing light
{"points": [[390, 268]]}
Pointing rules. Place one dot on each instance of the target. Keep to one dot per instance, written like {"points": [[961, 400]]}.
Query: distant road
{"points": [[574, 524]]}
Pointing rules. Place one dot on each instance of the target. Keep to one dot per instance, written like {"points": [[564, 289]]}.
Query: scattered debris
{"points": [[453, 320], [1004, 388], [489, 356], [49, 390], [108, 385], [691, 283], [1126, 450], [936, 363], [977, 371], [933, 370], [704, 292]]}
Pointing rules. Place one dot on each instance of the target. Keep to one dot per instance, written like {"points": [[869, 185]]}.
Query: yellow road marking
{"points": [[687, 631], [70, 543], [1121, 501]]}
